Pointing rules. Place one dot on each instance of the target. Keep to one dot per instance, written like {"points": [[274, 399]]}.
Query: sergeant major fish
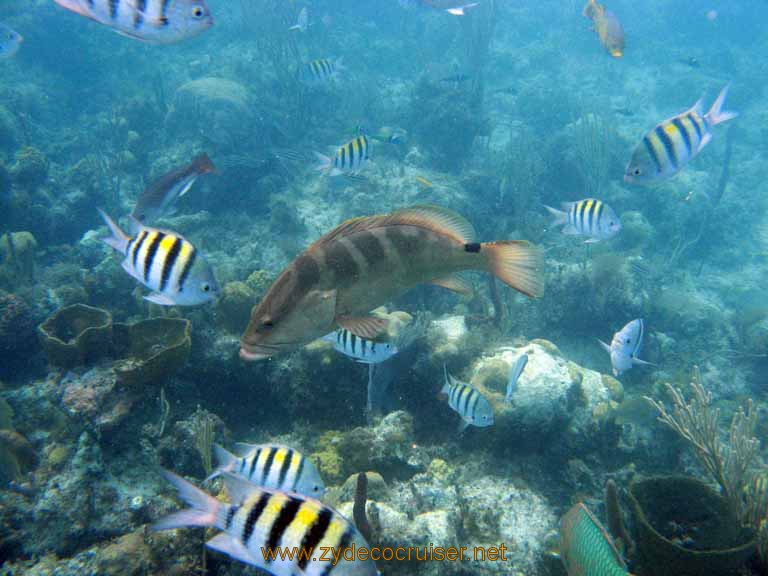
{"points": [[607, 27], [586, 549], [165, 262], [153, 21], [360, 349], [10, 42], [473, 407], [259, 520], [271, 466], [588, 217], [666, 149], [159, 196], [364, 263], [349, 158], [625, 347], [320, 71]]}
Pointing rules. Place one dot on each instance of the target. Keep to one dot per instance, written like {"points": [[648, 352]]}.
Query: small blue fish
{"points": [[473, 407], [514, 376], [625, 347], [10, 42]]}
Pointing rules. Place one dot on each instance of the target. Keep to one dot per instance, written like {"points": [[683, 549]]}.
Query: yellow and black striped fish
{"points": [[348, 158], [473, 407], [272, 466], [260, 523], [320, 71], [666, 149], [164, 262], [589, 217]]}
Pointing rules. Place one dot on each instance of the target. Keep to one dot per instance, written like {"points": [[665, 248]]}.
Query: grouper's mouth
{"points": [[254, 352]]}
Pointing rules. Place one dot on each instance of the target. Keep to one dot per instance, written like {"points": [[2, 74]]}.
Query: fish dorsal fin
{"points": [[238, 489], [367, 327], [433, 218]]}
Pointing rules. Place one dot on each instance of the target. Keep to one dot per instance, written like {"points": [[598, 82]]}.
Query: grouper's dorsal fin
{"points": [[435, 218]]}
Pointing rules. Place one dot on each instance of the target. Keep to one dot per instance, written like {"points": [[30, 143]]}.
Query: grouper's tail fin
{"points": [[517, 263]]}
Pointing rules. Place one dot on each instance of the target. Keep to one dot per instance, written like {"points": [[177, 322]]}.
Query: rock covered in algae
{"points": [[76, 335], [553, 394], [17, 328], [233, 308], [30, 169], [17, 257]]}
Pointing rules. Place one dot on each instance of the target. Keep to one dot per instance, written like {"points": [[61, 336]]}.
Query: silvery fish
{"points": [[625, 347], [320, 71], [153, 21], [360, 349], [514, 375], [455, 7], [302, 22], [158, 198], [271, 466], [10, 42], [473, 407], [366, 262], [588, 217], [165, 262], [666, 149], [586, 549], [261, 519]]}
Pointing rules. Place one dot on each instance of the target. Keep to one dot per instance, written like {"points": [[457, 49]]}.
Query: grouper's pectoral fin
{"points": [[367, 327]]}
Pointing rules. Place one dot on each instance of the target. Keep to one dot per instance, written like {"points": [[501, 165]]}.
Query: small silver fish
{"points": [[587, 217], [158, 198], [302, 22], [455, 7], [514, 375], [473, 407], [10, 42], [360, 349], [164, 262], [271, 466], [625, 347], [153, 21]]}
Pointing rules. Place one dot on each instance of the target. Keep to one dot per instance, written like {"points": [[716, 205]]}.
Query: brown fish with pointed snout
{"points": [[366, 262]]}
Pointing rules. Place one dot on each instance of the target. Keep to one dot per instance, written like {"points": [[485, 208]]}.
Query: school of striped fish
{"points": [[328, 291]]}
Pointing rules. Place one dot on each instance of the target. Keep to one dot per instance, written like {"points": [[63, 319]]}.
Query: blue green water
{"points": [[494, 114]]}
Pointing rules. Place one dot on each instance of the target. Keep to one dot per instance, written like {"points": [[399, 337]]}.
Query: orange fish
{"points": [[365, 263], [607, 26]]}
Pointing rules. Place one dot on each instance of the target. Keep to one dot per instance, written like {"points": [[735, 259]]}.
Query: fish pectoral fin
{"points": [[592, 241], [231, 547], [463, 426], [161, 299], [368, 327], [605, 346], [456, 283], [187, 187], [243, 448]]}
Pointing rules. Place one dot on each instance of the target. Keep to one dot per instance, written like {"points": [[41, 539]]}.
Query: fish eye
{"points": [[198, 12], [206, 287], [636, 172], [268, 324], [316, 488], [628, 341]]}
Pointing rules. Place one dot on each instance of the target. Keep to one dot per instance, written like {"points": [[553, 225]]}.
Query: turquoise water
{"points": [[492, 115]]}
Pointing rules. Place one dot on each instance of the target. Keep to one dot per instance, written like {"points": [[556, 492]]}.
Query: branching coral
{"points": [[697, 422]]}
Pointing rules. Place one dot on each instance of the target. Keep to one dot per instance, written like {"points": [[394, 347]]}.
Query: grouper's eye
{"points": [[267, 324]]}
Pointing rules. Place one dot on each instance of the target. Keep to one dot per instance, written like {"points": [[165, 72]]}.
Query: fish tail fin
{"points": [[517, 263], [203, 163], [204, 509], [226, 461], [119, 239], [589, 9], [324, 162], [561, 217], [716, 114], [338, 65]]}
